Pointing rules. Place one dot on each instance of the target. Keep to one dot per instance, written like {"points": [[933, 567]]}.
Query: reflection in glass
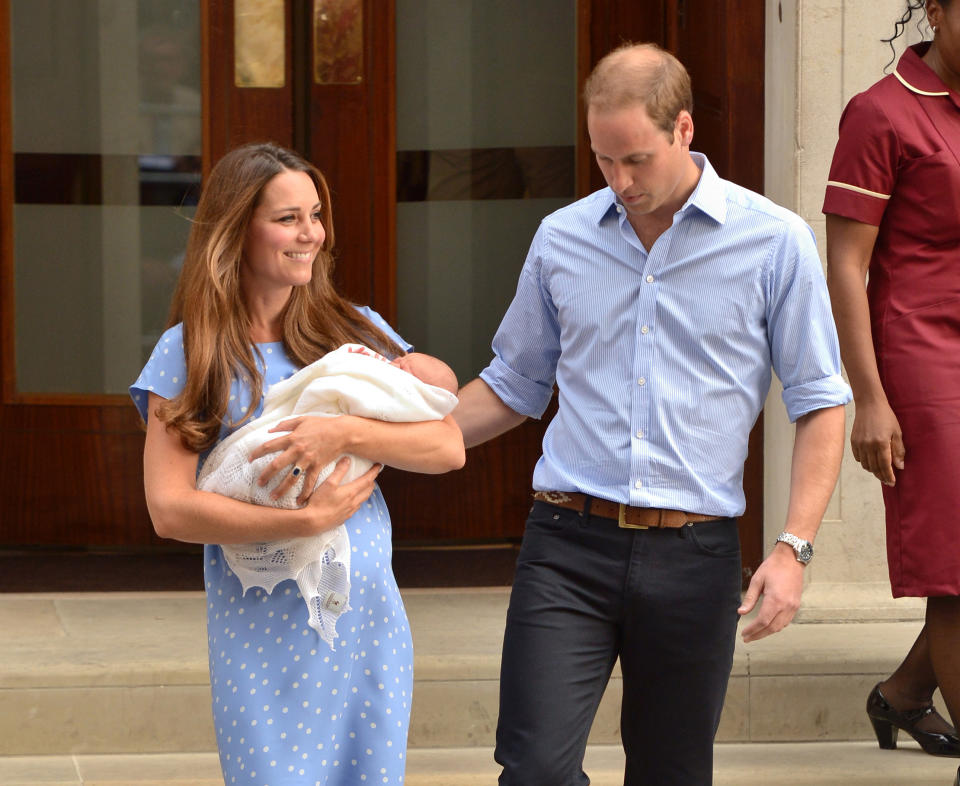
{"points": [[259, 43], [485, 173], [168, 70], [338, 42], [486, 133], [107, 151]]}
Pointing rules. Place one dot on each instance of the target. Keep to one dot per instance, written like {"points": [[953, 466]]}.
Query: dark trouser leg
{"points": [[679, 632], [560, 645], [665, 600]]}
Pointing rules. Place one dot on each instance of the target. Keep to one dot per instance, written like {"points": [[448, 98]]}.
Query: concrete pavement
{"points": [[112, 688]]}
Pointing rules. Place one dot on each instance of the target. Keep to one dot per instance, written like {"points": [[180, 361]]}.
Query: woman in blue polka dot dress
{"points": [[254, 304]]}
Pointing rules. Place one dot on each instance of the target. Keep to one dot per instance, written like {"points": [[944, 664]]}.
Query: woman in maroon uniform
{"points": [[893, 209]]}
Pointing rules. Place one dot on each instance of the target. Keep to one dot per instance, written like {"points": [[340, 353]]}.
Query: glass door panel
{"points": [[107, 157], [486, 132]]}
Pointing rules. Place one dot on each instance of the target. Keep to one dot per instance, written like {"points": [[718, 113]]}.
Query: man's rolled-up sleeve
{"points": [[526, 346], [807, 397], [803, 338]]}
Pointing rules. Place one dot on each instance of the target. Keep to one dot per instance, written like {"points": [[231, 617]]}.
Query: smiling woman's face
{"points": [[284, 236]]}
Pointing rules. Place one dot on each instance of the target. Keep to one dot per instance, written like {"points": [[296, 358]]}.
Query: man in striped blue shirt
{"points": [[657, 307]]}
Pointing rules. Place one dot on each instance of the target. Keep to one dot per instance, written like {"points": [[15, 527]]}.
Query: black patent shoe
{"points": [[887, 722]]}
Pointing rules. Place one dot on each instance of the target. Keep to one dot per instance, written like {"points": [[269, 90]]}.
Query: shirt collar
{"points": [[709, 196], [918, 77]]}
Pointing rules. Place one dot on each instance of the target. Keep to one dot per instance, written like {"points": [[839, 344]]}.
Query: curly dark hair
{"points": [[901, 24]]}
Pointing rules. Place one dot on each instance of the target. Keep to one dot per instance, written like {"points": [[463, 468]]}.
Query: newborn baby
{"points": [[351, 380]]}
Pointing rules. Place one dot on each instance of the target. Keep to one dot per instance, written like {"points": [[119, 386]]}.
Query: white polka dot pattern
{"points": [[285, 706], [288, 711]]}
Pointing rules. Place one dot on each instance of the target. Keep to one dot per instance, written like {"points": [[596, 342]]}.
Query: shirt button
{"points": [[640, 434], [649, 279], [642, 381], [619, 208], [644, 330], [638, 484]]}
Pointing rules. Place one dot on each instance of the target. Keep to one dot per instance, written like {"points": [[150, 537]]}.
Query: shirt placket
{"points": [[649, 265]]}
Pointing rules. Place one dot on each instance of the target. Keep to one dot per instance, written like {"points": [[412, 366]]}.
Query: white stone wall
{"points": [[819, 53]]}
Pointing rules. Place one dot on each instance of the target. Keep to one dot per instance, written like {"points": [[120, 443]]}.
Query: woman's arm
{"points": [[432, 446], [181, 512], [876, 438]]}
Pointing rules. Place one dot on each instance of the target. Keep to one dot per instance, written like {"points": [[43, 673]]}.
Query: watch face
{"points": [[805, 553]]}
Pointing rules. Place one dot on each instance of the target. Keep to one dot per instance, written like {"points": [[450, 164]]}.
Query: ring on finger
{"points": [[297, 471]]}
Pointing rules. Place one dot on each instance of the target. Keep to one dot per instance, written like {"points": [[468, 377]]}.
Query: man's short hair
{"points": [[641, 74]]}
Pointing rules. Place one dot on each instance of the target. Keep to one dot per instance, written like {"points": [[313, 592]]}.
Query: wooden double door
{"points": [[421, 150]]}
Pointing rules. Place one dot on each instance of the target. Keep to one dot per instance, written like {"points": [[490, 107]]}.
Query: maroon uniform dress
{"points": [[897, 166]]}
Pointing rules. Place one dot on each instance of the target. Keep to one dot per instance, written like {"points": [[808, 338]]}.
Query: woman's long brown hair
{"points": [[209, 302]]}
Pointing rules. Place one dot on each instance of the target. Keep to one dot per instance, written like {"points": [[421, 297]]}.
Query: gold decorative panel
{"points": [[338, 42], [259, 43]]}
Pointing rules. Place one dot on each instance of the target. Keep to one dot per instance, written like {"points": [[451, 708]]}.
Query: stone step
{"points": [[753, 764], [127, 673]]}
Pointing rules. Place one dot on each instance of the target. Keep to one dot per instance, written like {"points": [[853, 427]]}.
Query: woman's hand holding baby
{"points": [[334, 502], [309, 445]]}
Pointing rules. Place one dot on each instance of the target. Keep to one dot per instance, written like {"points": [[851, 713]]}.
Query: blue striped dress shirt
{"points": [[662, 359]]}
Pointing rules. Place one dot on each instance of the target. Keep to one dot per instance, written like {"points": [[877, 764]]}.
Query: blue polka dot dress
{"points": [[287, 710]]}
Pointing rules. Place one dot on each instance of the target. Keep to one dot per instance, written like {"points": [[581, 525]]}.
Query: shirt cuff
{"points": [[522, 395], [847, 203], [823, 393]]}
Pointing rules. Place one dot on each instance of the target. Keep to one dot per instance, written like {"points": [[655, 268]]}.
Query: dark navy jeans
{"points": [[587, 592]]}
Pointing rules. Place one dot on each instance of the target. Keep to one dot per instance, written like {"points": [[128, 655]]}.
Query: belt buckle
{"points": [[622, 519]]}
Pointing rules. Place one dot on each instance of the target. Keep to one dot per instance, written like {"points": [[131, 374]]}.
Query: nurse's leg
{"points": [[943, 632]]}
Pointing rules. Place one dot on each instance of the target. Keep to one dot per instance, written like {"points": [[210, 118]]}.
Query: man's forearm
{"points": [[817, 452], [481, 414]]}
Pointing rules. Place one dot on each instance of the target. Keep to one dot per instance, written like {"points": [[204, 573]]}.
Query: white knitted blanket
{"points": [[351, 380]]}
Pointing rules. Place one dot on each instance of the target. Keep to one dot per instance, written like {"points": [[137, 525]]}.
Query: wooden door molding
{"points": [[236, 115], [9, 394], [721, 43], [7, 366], [352, 139]]}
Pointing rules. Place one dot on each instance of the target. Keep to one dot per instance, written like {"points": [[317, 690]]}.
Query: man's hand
{"points": [[817, 450], [779, 579]]}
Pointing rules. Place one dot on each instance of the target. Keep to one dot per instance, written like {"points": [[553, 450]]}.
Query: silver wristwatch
{"points": [[802, 548]]}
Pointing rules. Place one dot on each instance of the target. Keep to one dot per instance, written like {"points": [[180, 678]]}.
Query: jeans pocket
{"points": [[545, 517], [718, 538]]}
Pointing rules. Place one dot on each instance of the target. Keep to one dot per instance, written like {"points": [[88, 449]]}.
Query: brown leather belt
{"points": [[626, 516]]}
